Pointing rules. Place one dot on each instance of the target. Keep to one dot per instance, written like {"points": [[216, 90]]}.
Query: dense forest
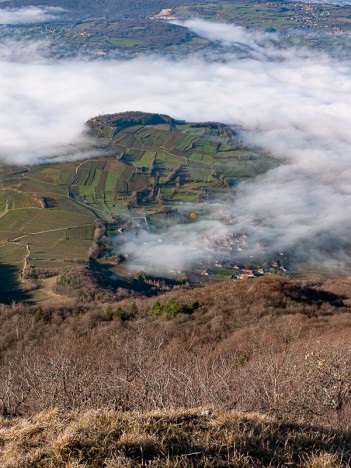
{"points": [[127, 119]]}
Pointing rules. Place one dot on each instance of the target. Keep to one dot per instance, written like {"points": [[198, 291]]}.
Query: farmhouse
{"points": [[246, 274]]}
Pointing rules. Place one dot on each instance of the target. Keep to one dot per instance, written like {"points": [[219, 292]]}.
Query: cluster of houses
{"points": [[232, 242], [235, 253], [245, 273], [311, 16]]}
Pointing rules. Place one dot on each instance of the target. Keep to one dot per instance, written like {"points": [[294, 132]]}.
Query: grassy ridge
{"points": [[173, 439]]}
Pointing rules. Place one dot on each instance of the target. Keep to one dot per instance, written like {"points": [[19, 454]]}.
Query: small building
{"points": [[246, 274], [245, 277]]}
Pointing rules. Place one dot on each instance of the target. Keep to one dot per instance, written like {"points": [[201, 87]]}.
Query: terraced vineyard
{"points": [[148, 164], [166, 163]]}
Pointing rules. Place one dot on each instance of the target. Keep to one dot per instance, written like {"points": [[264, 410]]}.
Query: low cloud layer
{"points": [[174, 249], [28, 15], [294, 104]]}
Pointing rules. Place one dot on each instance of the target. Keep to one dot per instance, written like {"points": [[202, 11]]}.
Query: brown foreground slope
{"points": [[271, 346], [172, 439]]}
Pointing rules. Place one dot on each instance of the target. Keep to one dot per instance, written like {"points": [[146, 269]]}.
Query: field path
{"points": [[25, 260], [19, 240], [6, 209], [48, 285], [48, 230]]}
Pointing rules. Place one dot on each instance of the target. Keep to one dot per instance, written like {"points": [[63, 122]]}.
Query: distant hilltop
{"points": [[97, 125], [108, 125]]}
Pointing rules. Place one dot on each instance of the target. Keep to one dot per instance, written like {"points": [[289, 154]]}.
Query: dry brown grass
{"points": [[181, 438]]}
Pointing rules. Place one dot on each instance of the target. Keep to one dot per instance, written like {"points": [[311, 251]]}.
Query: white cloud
{"points": [[28, 15], [178, 247]]}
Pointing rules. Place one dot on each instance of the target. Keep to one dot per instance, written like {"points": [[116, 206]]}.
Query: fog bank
{"points": [[28, 15]]}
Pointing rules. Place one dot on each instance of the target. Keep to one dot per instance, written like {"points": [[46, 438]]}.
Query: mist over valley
{"points": [[289, 110]]}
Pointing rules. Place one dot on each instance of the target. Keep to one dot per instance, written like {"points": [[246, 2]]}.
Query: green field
{"points": [[146, 160], [124, 42]]}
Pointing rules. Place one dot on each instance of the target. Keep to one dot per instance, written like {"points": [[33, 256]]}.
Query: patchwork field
{"points": [[311, 24], [266, 15], [147, 165]]}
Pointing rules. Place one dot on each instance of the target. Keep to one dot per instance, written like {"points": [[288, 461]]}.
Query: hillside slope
{"points": [[272, 346]]}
